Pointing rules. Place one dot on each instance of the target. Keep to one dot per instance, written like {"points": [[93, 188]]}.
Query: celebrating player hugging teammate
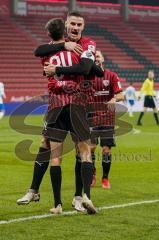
{"points": [[64, 110], [72, 84]]}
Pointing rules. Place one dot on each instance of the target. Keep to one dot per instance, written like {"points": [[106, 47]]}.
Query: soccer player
{"points": [[148, 89], [130, 97], [108, 91], [70, 103], [2, 96], [101, 113]]}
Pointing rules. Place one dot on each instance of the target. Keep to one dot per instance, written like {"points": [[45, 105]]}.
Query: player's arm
{"points": [[48, 49], [116, 89], [97, 70], [119, 96], [85, 65], [82, 68], [143, 89]]}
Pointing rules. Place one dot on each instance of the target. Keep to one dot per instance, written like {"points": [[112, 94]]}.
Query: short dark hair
{"points": [[75, 14], [56, 28]]}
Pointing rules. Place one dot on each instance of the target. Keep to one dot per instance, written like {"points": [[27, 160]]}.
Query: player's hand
{"points": [[74, 47], [49, 70], [111, 104]]}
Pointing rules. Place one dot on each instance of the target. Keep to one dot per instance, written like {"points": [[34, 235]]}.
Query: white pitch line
{"points": [[75, 212], [128, 204], [136, 131]]}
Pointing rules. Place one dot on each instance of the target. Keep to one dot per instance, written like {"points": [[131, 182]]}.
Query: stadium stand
{"points": [[19, 69], [148, 30], [122, 46], [123, 36]]}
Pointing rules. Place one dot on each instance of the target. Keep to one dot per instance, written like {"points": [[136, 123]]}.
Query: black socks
{"points": [[140, 117], [156, 118], [78, 178], [40, 167], [87, 175], [56, 179], [106, 164]]}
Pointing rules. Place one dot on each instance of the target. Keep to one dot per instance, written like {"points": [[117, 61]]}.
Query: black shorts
{"points": [[70, 118], [149, 102], [106, 135]]}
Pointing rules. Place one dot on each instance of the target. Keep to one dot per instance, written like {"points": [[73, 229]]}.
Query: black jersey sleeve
{"points": [[97, 70], [47, 49], [82, 68]]}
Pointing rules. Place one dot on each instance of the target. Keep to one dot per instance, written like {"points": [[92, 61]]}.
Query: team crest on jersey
{"points": [[106, 83], [91, 48]]}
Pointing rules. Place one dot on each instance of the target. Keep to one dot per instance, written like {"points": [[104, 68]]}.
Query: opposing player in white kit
{"points": [[130, 96], [2, 96]]}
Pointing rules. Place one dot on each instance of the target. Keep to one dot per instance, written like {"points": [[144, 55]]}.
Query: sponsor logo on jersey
{"points": [[101, 93], [88, 54], [91, 48]]}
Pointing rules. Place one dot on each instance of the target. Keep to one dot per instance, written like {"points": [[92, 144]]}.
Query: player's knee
{"points": [[106, 150], [45, 143], [84, 146], [85, 150], [56, 162], [56, 149]]}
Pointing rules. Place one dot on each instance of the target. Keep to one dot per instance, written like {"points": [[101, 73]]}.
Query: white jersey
{"points": [[130, 93], [2, 93]]}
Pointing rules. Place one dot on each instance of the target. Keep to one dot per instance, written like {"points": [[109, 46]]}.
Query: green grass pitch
{"points": [[134, 177]]}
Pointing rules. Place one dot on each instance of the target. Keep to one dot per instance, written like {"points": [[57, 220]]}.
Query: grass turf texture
{"points": [[134, 177]]}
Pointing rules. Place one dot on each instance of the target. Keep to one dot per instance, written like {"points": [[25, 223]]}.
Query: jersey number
{"points": [[60, 60]]}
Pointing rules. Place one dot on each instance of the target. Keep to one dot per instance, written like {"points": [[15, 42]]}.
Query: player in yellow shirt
{"points": [[148, 89]]}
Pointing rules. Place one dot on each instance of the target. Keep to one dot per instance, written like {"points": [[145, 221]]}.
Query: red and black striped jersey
{"points": [[66, 89], [105, 89]]}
